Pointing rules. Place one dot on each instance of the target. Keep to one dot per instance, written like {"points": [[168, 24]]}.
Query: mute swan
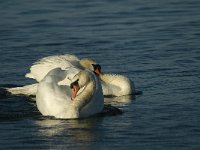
{"points": [[55, 100], [112, 84]]}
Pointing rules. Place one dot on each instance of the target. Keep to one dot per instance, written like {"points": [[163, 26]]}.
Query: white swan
{"points": [[112, 84], [55, 100]]}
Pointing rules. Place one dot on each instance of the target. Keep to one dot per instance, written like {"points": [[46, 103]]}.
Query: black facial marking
{"points": [[96, 66], [74, 83]]}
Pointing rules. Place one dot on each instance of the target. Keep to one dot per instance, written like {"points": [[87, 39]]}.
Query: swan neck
{"points": [[84, 97], [103, 77]]}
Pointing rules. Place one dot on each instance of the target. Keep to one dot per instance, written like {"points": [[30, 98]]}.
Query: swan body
{"points": [[116, 85], [55, 100]]}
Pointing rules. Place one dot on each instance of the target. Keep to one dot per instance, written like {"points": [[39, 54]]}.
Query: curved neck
{"points": [[84, 97], [106, 78]]}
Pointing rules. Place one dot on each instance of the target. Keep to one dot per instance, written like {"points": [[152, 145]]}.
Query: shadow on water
{"points": [[15, 107], [4, 93]]}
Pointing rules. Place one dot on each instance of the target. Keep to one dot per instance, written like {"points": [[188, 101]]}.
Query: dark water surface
{"points": [[155, 43]]}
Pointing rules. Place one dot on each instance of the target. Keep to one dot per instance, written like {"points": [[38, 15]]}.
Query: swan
{"points": [[86, 98], [112, 84]]}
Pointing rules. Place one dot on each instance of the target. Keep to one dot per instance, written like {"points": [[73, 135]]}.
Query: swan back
{"points": [[116, 85]]}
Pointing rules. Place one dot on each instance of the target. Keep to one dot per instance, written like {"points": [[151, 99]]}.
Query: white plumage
{"points": [[112, 84], [55, 100]]}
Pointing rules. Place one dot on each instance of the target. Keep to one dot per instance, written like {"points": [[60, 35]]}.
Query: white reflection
{"points": [[48, 127], [78, 130]]}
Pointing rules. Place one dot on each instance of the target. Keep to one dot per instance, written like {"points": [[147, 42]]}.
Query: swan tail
{"points": [[28, 90]]}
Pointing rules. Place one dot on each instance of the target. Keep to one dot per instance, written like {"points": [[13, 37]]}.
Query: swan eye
{"points": [[74, 83]]}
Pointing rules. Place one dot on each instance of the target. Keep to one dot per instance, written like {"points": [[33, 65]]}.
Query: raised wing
{"points": [[41, 67]]}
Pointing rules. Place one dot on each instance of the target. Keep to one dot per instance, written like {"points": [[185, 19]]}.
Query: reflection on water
{"points": [[120, 101], [73, 134], [49, 127], [78, 130]]}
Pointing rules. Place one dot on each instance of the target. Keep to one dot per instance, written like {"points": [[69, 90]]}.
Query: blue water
{"points": [[154, 43]]}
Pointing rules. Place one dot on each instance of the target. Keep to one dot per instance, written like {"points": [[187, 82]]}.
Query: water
{"points": [[155, 43]]}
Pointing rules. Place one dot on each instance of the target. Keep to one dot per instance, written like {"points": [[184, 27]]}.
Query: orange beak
{"points": [[75, 90], [97, 69]]}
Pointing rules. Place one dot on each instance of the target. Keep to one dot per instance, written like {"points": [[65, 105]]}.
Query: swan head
{"points": [[97, 69], [90, 64], [79, 81]]}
